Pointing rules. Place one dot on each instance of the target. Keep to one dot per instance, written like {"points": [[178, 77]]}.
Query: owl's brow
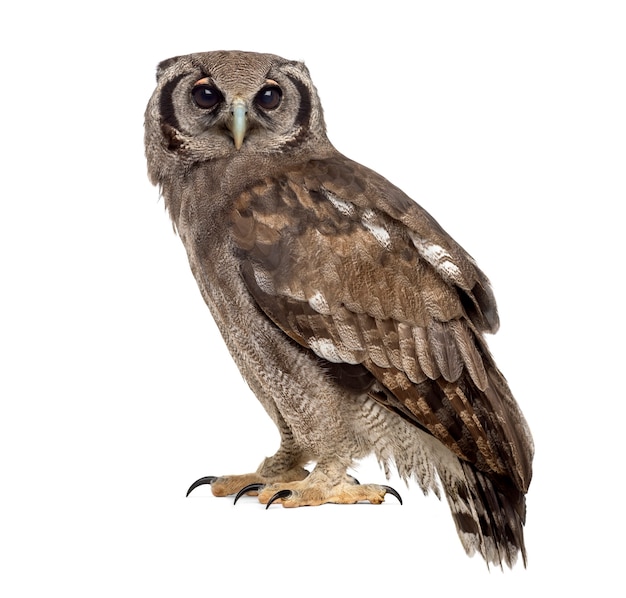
{"points": [[198, 65]]}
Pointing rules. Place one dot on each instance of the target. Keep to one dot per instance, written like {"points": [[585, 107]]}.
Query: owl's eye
{"points": [[206, 96], [269, 97]]}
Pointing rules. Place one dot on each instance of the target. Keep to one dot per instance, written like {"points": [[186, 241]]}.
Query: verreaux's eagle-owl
{"points": [[355, 319]]}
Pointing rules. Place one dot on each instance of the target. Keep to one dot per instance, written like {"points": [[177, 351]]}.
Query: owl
{"points": [[356, 320]]}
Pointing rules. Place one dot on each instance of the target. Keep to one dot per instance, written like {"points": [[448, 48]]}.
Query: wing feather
{"points": [[445, 351], [410, 361], [375, 345], [468, 349], [424, 352]]}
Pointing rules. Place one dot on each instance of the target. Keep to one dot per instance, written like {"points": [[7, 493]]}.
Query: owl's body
{"points": [[354, 318]]}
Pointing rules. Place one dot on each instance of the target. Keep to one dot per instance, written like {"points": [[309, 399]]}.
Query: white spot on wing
{"points": [[378, 230], [263, 279], [433, 252], [319, 304], [325, 348], [437, 257], [451, 269], [344, 207]]}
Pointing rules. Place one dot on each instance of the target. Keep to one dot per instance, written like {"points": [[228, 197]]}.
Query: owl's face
{"points": [[230, 104]]}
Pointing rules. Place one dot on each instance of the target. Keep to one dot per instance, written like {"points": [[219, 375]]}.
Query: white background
{"points": [[506, 120]]}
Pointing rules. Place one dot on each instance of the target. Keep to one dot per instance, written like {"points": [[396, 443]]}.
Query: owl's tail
{"points": [[489, 514]]}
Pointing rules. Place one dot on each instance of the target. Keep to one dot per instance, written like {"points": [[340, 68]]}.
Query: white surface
{"points": [[505, 120]]}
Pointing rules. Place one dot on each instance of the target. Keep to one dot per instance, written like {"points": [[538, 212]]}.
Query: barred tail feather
{"points": [[488, 511]]}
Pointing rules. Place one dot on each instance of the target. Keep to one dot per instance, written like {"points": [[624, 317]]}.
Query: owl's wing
{"points": [[351, 268]]}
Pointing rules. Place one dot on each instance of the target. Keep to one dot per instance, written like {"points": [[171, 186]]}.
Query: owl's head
{"points": [[229, 105]]}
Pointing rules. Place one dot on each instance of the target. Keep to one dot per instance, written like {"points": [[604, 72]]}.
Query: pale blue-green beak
{"points": [[239, 122]]}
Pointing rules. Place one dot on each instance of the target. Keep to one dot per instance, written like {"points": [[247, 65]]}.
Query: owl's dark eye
{"points": [[269, 97], [206, 96]]}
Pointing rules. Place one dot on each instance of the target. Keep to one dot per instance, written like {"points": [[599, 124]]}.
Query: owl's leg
{"points": [[327, 483]]}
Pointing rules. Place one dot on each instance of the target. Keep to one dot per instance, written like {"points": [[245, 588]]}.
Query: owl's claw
{"points": [[280, 494], [205, 480], [249, 488], [391, 490]]}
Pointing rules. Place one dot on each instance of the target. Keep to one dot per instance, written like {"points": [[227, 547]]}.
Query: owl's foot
{"points": [[308, 493], [232, 484]]}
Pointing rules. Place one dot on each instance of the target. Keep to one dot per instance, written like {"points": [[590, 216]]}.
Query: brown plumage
{"points": [[356, 320]]}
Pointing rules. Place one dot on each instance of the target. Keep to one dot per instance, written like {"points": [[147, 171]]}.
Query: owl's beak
{"points": [[239, 121]]}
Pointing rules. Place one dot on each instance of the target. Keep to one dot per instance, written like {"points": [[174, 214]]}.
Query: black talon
{"points": [[246, 489], [354, 480], [206, 480], [280, 494], [390, 490]]}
